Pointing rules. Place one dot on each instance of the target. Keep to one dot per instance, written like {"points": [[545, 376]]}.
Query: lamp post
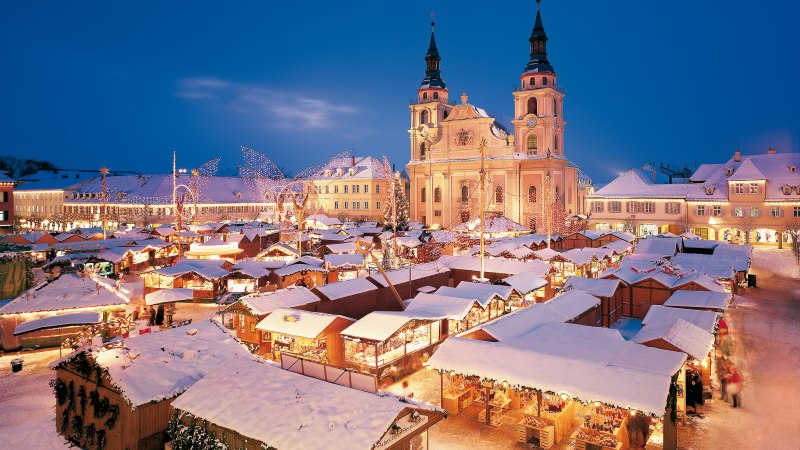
{"points": [[482, 148]]}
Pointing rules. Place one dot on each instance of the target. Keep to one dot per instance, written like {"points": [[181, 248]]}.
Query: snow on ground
{"points": [[768, 261], [27, 404]]}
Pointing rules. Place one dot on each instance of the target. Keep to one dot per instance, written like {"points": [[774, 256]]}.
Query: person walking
{"points": [[152, 312], [723, 371], [407, 391], [735, 381]]}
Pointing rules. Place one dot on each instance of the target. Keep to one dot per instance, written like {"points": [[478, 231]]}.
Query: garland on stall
{"points": [[672, 400], [193, 436], [81, 434]]}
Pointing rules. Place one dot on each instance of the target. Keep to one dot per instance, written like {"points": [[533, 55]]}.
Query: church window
{"points": [[464, 193], [437, 194], [423, 116], [533, 107], [532, 81], [532, 194], [544, 81], [498, 194], [555, 143], [436, 96], [424, 96], [423, 195], [555, 107], [422, 150], [533, 144]]}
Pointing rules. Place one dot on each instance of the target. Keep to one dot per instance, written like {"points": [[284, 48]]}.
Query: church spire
{"points": [[433, 75], [538, 40]]}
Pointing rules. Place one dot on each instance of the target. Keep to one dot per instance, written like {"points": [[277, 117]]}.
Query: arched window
{"points": [[532, 81], [544, 81], [423, 196], [437, 194], [498, 194], [533, 143], [555, 143], [532, 194], [423, 116], [436, 96], [422, 150], [424, 95], [444, 114], [533, 106], [555, 107], [464, 193]]}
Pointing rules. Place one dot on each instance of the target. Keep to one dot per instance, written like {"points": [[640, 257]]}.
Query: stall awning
{"points": [[381, 325], [296, 322], [683, 335], [64, 320], [713, 301], [168, 296]]}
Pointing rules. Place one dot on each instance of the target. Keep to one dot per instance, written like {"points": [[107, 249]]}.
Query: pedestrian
{"points": [[723, 370], [735, 387], [152, 312], [699, 400], [407, 391]]}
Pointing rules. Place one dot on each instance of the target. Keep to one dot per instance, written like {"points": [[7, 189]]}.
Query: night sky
{"points": [[122, 84]]}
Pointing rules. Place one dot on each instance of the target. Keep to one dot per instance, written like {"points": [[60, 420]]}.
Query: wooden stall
{"points": [[609, 291], [308, 335]]}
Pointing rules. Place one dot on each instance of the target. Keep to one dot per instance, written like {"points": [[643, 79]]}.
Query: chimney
{"points": [[737, 156], [352, 161], [771, 151]]}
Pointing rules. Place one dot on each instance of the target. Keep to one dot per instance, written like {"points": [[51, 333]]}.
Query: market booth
{"points": [[528, 288], [701, 300], [540, 381], [461, 313], [492, 297], [610, 292], [307, 335]]}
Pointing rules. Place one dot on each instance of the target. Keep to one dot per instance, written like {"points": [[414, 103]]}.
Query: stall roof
{"points": [[381, 325], [455, 308], [546, 253], [168, 296], [156, 366], [525, 282], [253, 269], [715, 301], [521, 321], [63, 320], [299, 267], [347, 247], [402, 275], [659, 246], [335, 260], [496, 265], [599, 287], [303, 412], [296, 322], [482, 296], [207, 268], [264, 303], [686, 336], [619, 246], [589, 363], [69, 291], [500, 290], [657, 314], [573, 303], [341, 289]]}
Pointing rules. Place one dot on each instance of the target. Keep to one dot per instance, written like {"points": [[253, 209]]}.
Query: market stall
{"points": [[308, 335]]}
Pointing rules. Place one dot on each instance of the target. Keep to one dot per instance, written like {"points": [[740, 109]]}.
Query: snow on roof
{"points": [[341, 289], [403, 275], [521, 252], [263, 303], [747, 171], [546, 254], [588, 363], [156, 366], [525, 282], [296, 322], [521, 321], [381, 325], [498, 265], [168, 296], [636, 184], [657, 314], [720, 269], [63, 320], [497, 224], [455, 308], [325, 220], [573, 303], [347, 247], [599, 287], [700, 244], [619, 246], [207, 268], [310, 260], [281, 246], [578, 256], [336, 260], [497, 289], [735, 251], [286, 410], [687, 337], [294, 268], [69, 291], [715, 301], [408, 241], [659, 246], [253, 269]]}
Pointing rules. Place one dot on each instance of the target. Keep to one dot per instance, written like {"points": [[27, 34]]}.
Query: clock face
{"points": [[531, 122]]}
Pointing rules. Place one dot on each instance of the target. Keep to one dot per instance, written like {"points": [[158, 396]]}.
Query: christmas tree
{"points": [[396, 214]]}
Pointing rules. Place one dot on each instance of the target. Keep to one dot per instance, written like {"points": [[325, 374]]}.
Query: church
{"points": [[525, 161]]}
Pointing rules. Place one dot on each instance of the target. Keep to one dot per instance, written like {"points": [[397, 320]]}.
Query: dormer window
{"points": [[339, 172], [729, 171], [238, 195], [793, 168], [327, 173], [351, 171], [787, 189], [710, 189]]}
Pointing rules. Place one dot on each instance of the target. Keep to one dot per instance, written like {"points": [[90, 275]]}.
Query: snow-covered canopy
{"points": [[712, 301], [619, 246], [264, 303], [286, 410], [683, 335], [498, 265], [296, 322], [156, 366], [659, 246], [483, 293], [416, 272], [546, 254], [657, 314], [295, 268], [573, 303], [381, 325], [599, 287], [69, 291], [347, 247], [588, 363], [210, 269], [63, 320], [493, 225], [341, 289], [525, 282], [454, 308], [344, 260], [253, 269], [168, 296]]}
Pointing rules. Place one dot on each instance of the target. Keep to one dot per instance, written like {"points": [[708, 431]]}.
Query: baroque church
{"points": [[525, 160]]}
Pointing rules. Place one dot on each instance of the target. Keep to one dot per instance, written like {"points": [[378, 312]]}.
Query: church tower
{"points": [[538, 104], [431, 106]]}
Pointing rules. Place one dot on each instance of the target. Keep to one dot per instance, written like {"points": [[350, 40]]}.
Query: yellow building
{"points": [[444, 169], [352, 189]]}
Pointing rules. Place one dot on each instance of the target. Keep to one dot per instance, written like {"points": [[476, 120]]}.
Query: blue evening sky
{"points": [[86, 84]]}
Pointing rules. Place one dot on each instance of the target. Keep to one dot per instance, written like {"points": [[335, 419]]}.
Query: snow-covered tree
{"points": [[396, 213]]}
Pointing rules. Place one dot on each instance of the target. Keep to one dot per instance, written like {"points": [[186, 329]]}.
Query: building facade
{"points": [[6, 203], [751, 199], [524, 158]]}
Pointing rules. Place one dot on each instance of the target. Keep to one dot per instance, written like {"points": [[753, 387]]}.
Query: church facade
{"points": [[525, 161]]}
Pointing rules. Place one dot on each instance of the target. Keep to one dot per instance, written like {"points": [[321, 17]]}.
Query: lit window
{"points": [[498, 194], [776, 211], [597, 207], [738, 188], [532, 194], [754, 211], [754, 188], [614, 207], [437, 194]]}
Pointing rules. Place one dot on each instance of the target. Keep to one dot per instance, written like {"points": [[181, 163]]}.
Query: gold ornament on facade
{"points": [[463, 137]]}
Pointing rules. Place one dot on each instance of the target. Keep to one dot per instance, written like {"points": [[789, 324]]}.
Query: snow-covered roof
{"points": [[525, 282], [713, 301], [747, 171], [498, 265], [347, 247], [599, 287], [264, 303], [403, 275], [619, 246], [579, 256], [454, 308], [324, 220], [684, 335], [659, 246], [521, 252], [521, 321], [497, 224], [714, 262], [294, 268], [337, 260], [168, 296], [634, 183], [295, 322], [156, 366], [546, 254], [381, 325], [63, 320], [588, 363], [341, 289], [69, 291], [573, 303], [483, 289], [657, 314], [286, 410], [253, 269], [207, 268]]}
